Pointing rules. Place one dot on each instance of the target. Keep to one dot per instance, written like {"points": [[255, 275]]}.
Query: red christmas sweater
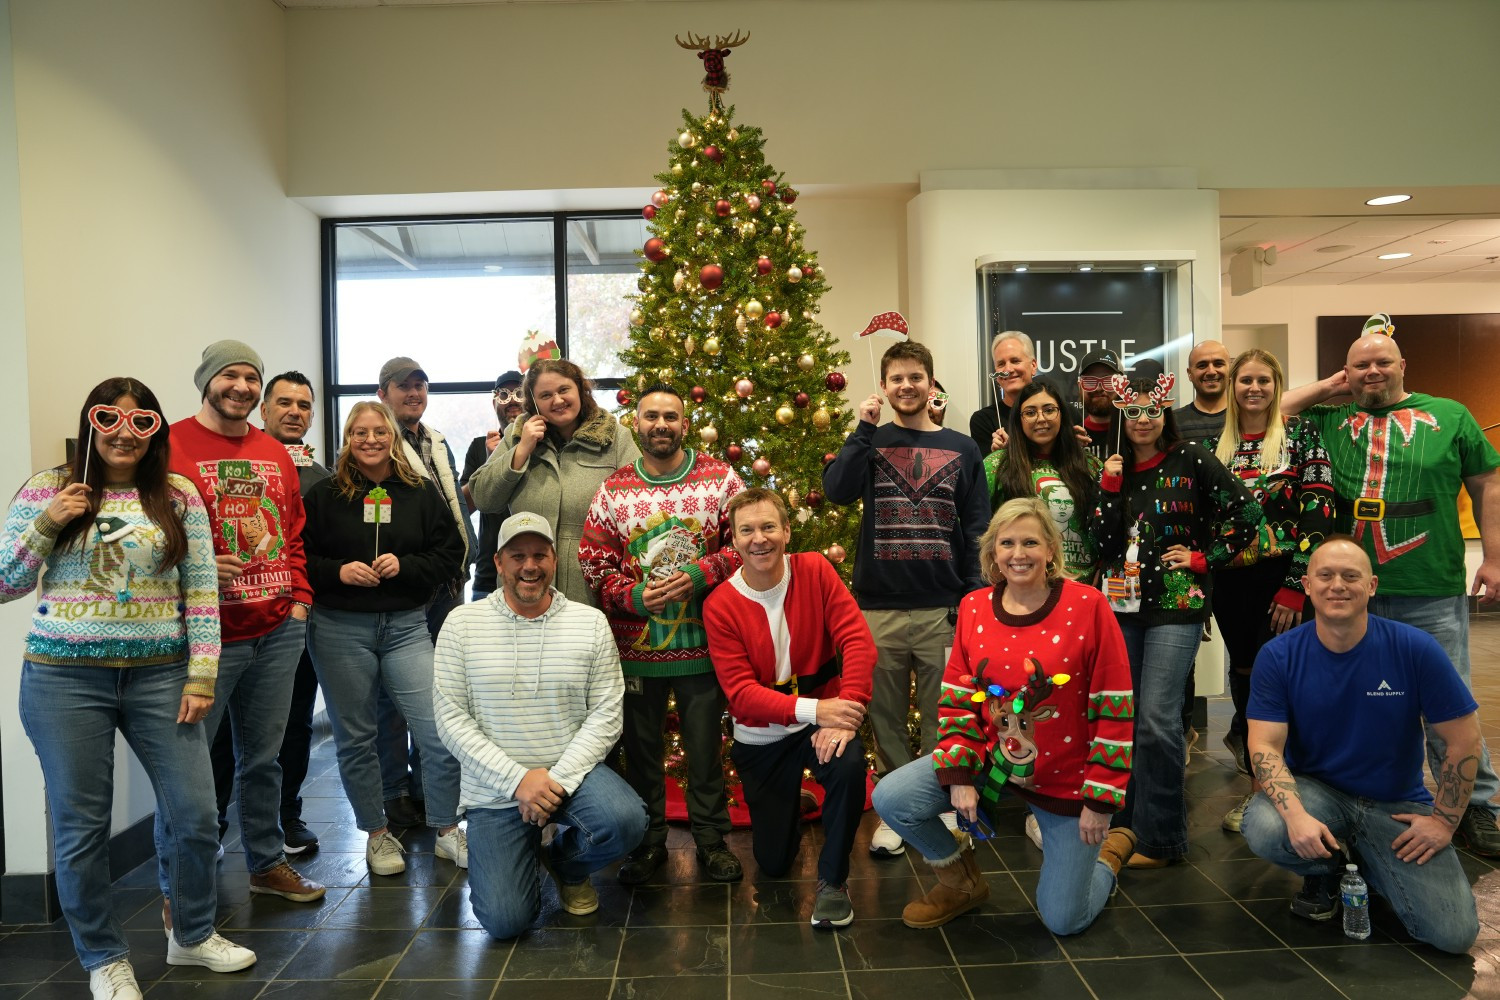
{"points": [[1068, 744], [825, 627], [254, 501]]}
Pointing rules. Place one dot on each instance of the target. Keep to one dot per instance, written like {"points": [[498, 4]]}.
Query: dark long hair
{"points": [[587, 406], [150, 472], [1068, 456], [1170, 438]]}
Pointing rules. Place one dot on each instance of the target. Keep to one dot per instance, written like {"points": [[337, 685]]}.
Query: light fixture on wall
{"points": [[1148, 267], [1020, 268], [1389, 199], [1393, 256], [493, 268], [1085, 267]]}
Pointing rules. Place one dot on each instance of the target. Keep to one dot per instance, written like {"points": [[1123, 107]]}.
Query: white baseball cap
{"points": [[524, 523]]}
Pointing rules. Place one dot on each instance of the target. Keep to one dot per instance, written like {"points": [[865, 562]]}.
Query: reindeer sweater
{"points": [[108, 602], [1070, 745]]}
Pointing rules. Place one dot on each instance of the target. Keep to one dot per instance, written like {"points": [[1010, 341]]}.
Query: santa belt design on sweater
{"points": [[813, 681], [1376, 509]]}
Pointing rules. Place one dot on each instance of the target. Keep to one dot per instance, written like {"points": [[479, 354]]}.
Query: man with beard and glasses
{"points": [[1208, 370], [526, 694], [1015, 366], [1399, 459], [655, 542], [1098, 401], [250, 485], [506, 399], [925, 506]]}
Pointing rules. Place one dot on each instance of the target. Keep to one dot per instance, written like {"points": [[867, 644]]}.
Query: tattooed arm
{"points": [[1308, 835], [1427, 835]]}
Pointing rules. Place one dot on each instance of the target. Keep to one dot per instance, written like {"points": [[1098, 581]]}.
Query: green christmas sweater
{"points": [[1080, 555]]}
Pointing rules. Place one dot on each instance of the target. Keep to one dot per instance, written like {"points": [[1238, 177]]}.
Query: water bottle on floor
{"points": [[1356, 898]]}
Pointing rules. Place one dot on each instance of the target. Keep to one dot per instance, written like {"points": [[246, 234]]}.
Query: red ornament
{"points": [[734, 453], [764, 265], [711, 276], [655, 249], [773, 319], [722, 207], [835, 381], [698, 394], [761, 466], [768, 186], [801, 399], [828, 456], [660, 199], [623, 397], [649, 212], [814, 498], [788, 195], [713, 153]]}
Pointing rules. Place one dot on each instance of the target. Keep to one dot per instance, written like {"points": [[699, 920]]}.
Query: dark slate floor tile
{"points": [[349, 954], [890, 944], [559, 953], [675, 951], [453, 954], [1145, 979], [903, 984], [1195, 928], [1052, 980], [789, 986], [774, 948]]}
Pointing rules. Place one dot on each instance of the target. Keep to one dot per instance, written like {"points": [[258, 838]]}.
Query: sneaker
{"points": [[288, 883], [219, 853], [115, 981], [1319, 898], [720, 863], [579, 900], [1235, 744], [885, 842], [1236, 816], [402, 812], [297, 837], [1477, 832], [453, 845], [1034, 831], [215, 954], [1190, 738], [642, 863], [383, 854], [832, 907]]}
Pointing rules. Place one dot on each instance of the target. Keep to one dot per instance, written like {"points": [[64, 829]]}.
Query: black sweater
{"points": [[419, 533]]}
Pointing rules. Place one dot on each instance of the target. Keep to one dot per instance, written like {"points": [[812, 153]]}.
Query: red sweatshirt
{"points": [[1070, 744], [250, 488]]}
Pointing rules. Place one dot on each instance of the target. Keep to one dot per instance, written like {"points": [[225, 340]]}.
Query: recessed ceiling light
{"points": [[1085, 268], [1389, 199], [493, 268], [1393, 256], [1148, 267], [1336, 248], [1020, 268]]}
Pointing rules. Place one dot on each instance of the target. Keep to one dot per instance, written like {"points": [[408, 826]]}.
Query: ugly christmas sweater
{"points": [[1008, 718], [1179, 497], [107, 601], [642, 526], [1297, 499]]}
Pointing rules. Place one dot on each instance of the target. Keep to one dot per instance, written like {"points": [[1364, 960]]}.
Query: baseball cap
{"points": [[1108, 358], [399, 370], [524, 523], [509, 378]]}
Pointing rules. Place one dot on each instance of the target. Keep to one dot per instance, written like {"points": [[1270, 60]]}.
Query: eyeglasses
{"points": [[1093, 383], [138, 423], [1137, 412], [1032, 412], [508, 396], [379, 434]]}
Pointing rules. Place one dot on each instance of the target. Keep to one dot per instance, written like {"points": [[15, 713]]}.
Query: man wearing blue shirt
{"points": [[1336, 743]]}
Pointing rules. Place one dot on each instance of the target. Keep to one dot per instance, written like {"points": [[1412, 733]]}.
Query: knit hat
{"points": [[219, 356]]}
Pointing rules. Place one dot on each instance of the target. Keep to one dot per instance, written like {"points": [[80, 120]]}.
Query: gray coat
{"points": [[558, 485]]}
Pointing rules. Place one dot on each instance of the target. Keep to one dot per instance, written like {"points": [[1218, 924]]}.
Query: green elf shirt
{"points": [[1080, 557], [1417, 451]]}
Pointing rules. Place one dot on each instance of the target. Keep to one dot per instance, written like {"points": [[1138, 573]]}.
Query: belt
{"points": [[1376, 509], [827, 672]]}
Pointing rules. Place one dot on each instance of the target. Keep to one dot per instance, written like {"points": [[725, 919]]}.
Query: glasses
{"points": [[1093, 383], [1032, 412], [508, 396], [1137, 412], [138, 423], [379, 434]]}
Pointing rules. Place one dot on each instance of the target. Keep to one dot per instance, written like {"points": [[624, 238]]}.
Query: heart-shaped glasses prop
{"points": [[107, 419]]}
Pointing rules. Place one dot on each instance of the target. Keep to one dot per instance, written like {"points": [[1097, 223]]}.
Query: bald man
{"points": [[1208, 370], [1399, 459]]}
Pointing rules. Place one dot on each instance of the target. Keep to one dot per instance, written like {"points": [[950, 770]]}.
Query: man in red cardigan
{"points": [[795, 660]]}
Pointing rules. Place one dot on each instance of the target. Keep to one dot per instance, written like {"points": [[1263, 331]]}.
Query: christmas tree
{"points": [[727, 314]]}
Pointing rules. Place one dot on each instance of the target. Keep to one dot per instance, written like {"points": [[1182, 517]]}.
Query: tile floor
{"points": [[1217, 926]]}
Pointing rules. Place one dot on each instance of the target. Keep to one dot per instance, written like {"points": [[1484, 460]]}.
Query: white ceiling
{"points": [[1345, 250]]}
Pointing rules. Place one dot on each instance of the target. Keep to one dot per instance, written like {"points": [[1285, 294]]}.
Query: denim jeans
{"points": [[71, 714], [1160, 658], [357, 654], [1074, 883], [254, 691], [1433, 900], [400, 757], [599, 823], [1446, 619]]}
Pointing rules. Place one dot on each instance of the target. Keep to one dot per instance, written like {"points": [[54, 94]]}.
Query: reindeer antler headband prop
{"points": [[1161, 394]]}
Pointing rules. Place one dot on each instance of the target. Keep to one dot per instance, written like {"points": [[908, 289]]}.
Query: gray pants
{"points": [[915, 641]]}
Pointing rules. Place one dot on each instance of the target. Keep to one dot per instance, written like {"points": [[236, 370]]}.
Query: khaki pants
{"points": [[911, 641]]}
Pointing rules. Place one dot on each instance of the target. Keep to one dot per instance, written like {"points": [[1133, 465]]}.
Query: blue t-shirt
{"points": [[1355, 719]]}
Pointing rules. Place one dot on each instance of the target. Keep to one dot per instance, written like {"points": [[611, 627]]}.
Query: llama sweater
{"points": [[640, 526], [108, 601]]}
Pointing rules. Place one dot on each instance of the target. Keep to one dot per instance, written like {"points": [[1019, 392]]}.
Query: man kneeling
{"points": [[528, 695], [1335, 714]]}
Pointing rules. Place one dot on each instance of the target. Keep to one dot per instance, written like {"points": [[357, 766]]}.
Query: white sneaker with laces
{"points": [[886, 842], [115, 981], [216, 954], [1034, 831], [383, 854], [453, 845]]}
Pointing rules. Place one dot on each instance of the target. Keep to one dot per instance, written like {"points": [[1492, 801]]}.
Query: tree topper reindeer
{"points": [[716, 79]]}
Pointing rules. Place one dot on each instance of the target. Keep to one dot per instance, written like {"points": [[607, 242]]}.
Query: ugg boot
{"points": [[960, 888]]}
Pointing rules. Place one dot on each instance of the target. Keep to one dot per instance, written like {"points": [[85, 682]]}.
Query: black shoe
{"points": [[297, 838], [642, 863], [1477, 832], [720, 863], [1235, 744], [403, 812], [1319, 898]]}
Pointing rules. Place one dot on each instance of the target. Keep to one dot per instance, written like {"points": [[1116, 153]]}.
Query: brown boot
{"points": [[1117, 849], [960, 888]]}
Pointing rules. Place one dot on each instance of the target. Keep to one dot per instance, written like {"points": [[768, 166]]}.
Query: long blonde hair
{"points": [[346, 473], [1273, 453]]}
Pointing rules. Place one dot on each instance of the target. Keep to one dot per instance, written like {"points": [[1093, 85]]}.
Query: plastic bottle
{"points": [[1356, 898]]}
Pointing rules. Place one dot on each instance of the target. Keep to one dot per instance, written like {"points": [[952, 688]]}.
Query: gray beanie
{"points": [[219, 356]]}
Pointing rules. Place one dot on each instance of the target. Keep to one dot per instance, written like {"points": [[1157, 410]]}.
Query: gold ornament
{"points": [[807, 314], [676, 170], [822, 419], [657, 333], [711, 346], [679, 279], [709, 434], [754, 309], [785, 415], [741, 323], [689, 345], [680, 214], [793, 498], [637, 317], [806, 362], [686, 140], [794, 274], [734, 134], [773, 361], [775, 230], [665, 373], [699, 229], [697, 188]]}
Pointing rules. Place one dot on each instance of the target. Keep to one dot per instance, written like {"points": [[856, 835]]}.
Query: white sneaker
{"points": [[215, 954], [115, 981], [886, 842], [383, 854], [453, 845], [1034, 831]]}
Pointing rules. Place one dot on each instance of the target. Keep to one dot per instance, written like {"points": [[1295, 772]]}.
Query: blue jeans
{"points": [[599, 823], [1446, 619], [254, 690], [356, 655], [400, 758], [71, 714], [1433, 900], [1074, 884], [1161, 657]]}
